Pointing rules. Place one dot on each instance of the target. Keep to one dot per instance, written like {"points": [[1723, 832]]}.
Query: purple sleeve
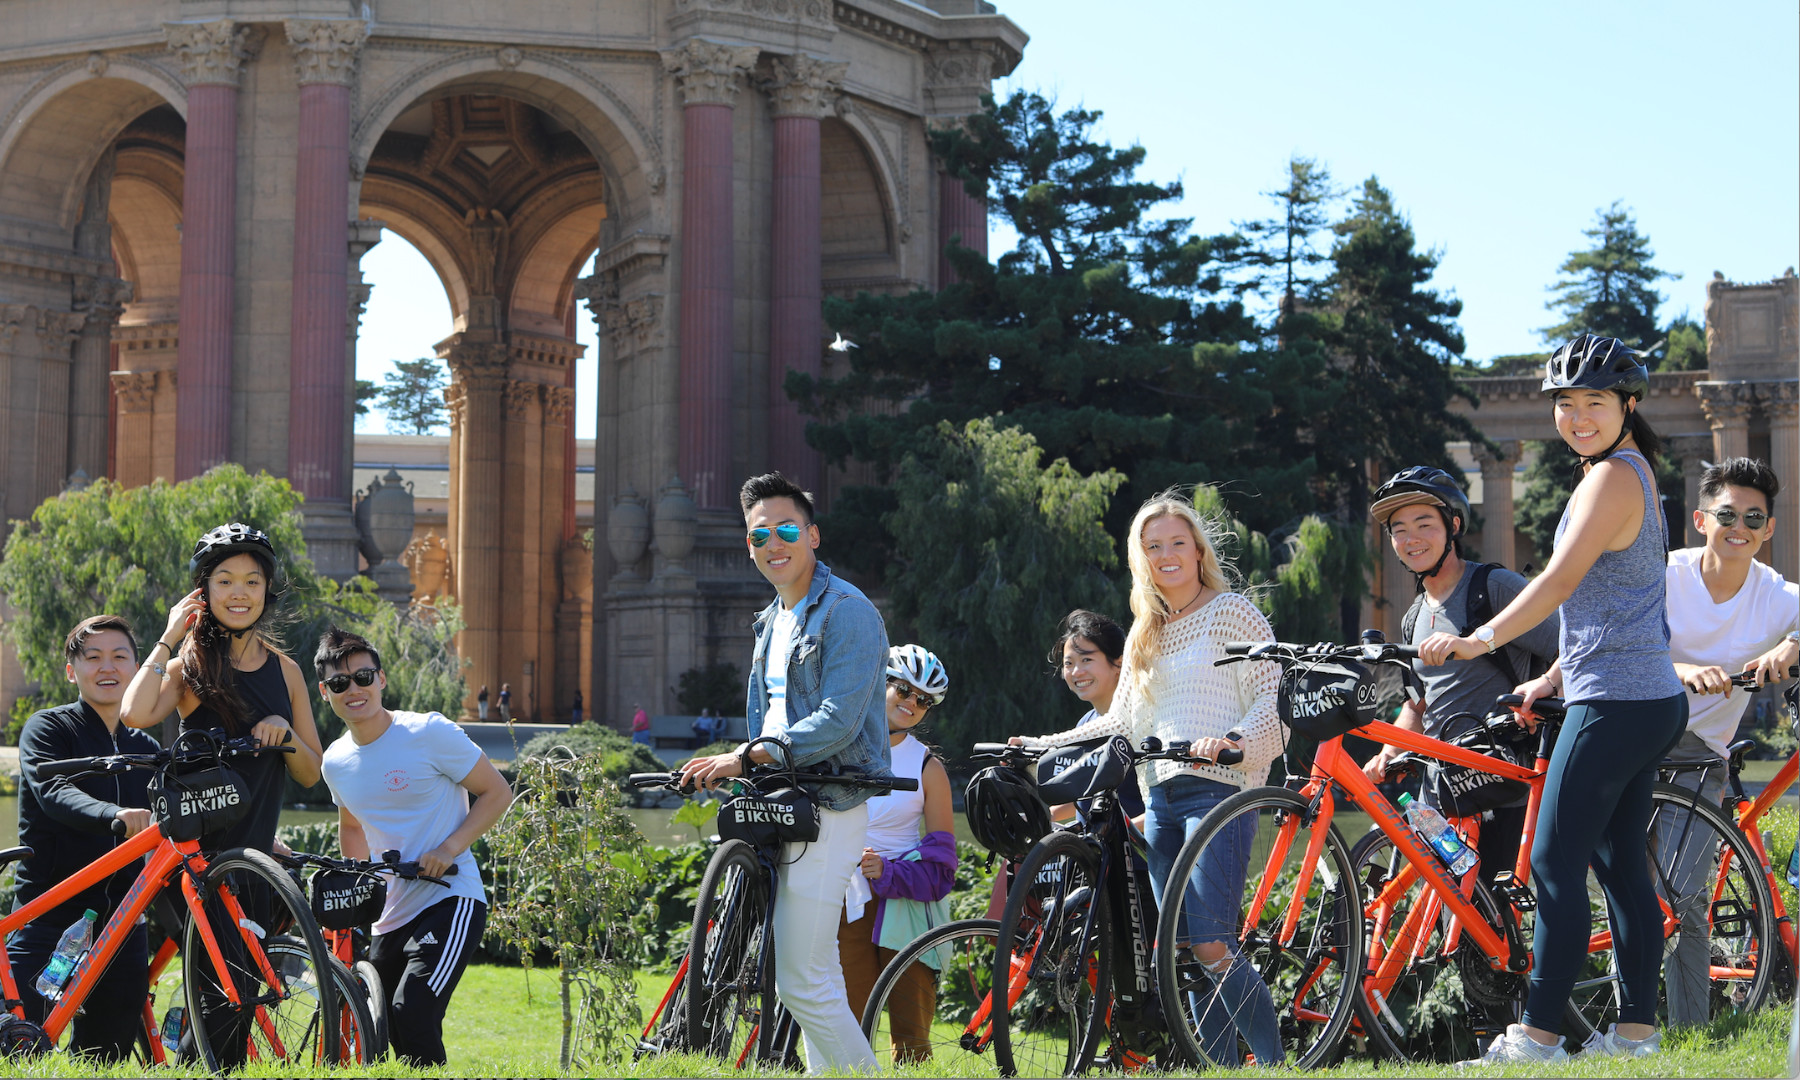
{"points": [[929, 877]]}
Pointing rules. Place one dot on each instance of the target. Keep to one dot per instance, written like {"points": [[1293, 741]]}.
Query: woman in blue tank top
{"points": [[1626, 706]]}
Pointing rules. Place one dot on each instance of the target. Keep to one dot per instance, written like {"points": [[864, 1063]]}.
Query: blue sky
{"points": [[1500, 128]]}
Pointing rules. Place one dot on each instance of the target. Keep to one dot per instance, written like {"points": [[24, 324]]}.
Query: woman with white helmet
{"points": [[909, 864]]}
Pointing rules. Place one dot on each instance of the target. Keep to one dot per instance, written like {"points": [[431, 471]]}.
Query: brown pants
{"points": [[912, 1001]]}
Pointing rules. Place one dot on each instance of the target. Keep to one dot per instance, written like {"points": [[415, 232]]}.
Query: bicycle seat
{"points": [[1548, 708], [14, 854], [1737, 751]]}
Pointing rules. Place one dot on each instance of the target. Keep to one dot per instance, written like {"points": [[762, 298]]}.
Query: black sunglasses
{"points": [[339, 683], [1727, 517], [905, 691]]}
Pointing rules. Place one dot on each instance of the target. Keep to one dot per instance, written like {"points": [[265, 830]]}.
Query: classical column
{"points": [[709, 76], [961, 217], [365, 233], [136, 394], [1693, 451], [50, 339], [1781, 403], [1727, 406], [102, 300], [478, 371], [325, 62], [802, 89], [212, 58], [1497, 530]]}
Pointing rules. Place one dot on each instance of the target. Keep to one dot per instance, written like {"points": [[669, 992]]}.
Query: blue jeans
{"points": [[641, 736], [1211, 909]]}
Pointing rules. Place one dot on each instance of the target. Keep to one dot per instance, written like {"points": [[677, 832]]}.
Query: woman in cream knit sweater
{"points": [[1184, 614]]}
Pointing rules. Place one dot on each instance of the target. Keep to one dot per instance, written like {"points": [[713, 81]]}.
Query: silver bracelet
{"points": [[161, 672]]}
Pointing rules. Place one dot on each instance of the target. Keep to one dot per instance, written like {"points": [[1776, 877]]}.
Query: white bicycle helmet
{"points": [[920, 668]]}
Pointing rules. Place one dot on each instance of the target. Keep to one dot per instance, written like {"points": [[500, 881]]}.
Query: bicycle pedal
{"points": [[1519, 896]]}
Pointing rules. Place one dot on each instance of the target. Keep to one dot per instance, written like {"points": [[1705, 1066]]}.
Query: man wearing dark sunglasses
{"points": [[402, 781], [1727, 612], [816, 686]]}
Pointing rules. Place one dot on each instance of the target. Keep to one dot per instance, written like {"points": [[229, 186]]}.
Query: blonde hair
{"points": [[1151, 610]]}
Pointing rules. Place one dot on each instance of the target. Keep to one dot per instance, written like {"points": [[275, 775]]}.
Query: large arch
{"points": [[628, 153], [60, 128]]}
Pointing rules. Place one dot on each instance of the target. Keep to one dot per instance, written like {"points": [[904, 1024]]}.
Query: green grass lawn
{"points": [[507, 1022]]}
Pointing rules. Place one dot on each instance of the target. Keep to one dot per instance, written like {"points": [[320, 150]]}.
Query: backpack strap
{"points": [[1411, 619], [1480, 607]]}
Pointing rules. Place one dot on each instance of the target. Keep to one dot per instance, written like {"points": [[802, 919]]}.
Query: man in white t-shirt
{"points": [[1727, 613], [402, 781]]}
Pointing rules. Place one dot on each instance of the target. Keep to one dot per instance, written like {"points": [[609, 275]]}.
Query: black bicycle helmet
{"points": [[1435, 487], [1586, 362], [228, 540], [1006, 814]]}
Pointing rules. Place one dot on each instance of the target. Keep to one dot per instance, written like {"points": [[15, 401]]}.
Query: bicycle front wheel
{"points": [[1053, 957], [1720, 942], [933, 1004], [355, 1028], [242, 1004], [374, 994], [1283, 987], [728, 979]]}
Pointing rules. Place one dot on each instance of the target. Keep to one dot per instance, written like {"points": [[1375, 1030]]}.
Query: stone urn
{"points": [[677, 522], [627, 529], [384, 526]]}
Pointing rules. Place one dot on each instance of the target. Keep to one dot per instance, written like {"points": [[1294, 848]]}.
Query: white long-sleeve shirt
{"points": [[1186, 697]]}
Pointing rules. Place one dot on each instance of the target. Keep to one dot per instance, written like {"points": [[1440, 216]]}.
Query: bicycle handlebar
{"points": [[389, 864], [110, 763], [1746, 680], [1151, 749], [672, 780], [1283, 652]]}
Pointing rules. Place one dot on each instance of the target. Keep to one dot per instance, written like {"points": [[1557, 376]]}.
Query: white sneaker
{"points": [[1516, 1046], [1612, 1044]]}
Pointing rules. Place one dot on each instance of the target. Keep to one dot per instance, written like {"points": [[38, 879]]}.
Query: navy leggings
{"points": [[1596, 809]]}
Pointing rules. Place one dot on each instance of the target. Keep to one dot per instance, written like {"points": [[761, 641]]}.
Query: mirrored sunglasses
{"points": [[1727, 517], [340, 682], [789, 533]]}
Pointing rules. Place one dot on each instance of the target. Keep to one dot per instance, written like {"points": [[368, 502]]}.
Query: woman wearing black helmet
{"points": [[1626, 706], [216, 665]]}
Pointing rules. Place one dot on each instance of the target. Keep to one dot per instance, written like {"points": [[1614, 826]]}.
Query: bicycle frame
{"points": [[166, 858], [1749, 814]]}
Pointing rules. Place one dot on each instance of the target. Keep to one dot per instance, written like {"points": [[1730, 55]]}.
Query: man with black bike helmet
{"points": [[1425, 515]]}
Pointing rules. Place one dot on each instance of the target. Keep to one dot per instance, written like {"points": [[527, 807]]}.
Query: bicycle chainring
{"points": [[22, 1038]]}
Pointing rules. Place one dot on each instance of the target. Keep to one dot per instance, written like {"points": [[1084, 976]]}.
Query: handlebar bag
{"points": [[188, 805], [345, 899], [1460, 791], [1327, 699], [1081, 770], [783, 816]]}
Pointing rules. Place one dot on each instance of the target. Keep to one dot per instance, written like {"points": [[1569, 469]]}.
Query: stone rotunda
{"points": [[187, 188]]}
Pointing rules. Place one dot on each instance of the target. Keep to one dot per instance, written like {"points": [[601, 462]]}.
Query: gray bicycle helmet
{"points": [[1006, 814], [1435, 487]]}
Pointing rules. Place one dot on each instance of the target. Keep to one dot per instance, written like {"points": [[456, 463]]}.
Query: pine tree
{"points": [[365, 392], [1609, 289], [1279, 252], [413, 397]]}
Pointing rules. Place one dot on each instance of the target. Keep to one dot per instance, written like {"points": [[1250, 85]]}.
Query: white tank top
{"points": [[894, 818]]}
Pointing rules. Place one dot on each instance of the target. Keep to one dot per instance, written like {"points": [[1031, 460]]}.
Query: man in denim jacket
{"points": [[816, 687]]}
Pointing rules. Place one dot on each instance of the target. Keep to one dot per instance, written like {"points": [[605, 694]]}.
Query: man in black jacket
{"points": [[68, 823]]}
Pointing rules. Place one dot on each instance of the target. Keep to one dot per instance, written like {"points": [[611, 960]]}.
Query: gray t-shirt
{"points": [[1472, 685]]}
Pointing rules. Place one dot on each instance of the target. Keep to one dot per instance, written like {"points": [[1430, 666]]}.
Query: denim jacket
{"points": [[836, 700]]}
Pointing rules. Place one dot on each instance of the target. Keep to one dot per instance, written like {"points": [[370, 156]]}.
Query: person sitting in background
{"points": [[1089, 652], [67, 823]]}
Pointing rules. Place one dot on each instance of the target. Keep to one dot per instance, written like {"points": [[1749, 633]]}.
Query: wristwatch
{"points": [[1485, 635]]}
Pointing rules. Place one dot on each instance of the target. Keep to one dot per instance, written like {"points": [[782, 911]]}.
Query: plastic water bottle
{"points": [[1437, 833], [1794, 865], [173, 1028], [75, 941]]}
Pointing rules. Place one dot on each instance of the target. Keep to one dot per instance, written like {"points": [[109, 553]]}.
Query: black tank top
{"points": [[264, 692]]}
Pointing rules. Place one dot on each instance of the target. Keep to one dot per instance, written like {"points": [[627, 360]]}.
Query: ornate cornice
{"points": [[52, 331], [1726, 402], [803, 85], [559, 405], [520, 397], [213, 52], [957, 73], [707, 72], [632, 325], [1780, 400], [136, 390], [325, 50], [474, 365], [102, 298]]}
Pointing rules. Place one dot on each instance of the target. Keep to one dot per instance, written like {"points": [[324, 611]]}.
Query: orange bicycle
{"points": [[251, 954]]}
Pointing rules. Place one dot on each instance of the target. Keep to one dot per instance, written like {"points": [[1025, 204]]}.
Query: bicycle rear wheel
{"points": [[1053, 956], [1242, 874], [1420, 1002], [947, 972], [374, 995], [728, 981], [248, 1007], [1719, 927]]}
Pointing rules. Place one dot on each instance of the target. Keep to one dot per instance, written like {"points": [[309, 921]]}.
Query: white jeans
{"points": [[808, 973]]}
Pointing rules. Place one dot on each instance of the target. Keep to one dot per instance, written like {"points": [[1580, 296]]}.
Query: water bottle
{"points": [[174, 1026], [75, 941], [1437, 833], [1794, 865]]}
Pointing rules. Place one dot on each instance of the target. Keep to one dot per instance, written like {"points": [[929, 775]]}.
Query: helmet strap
{"points": [[1420, 576], [1624, 430]]}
